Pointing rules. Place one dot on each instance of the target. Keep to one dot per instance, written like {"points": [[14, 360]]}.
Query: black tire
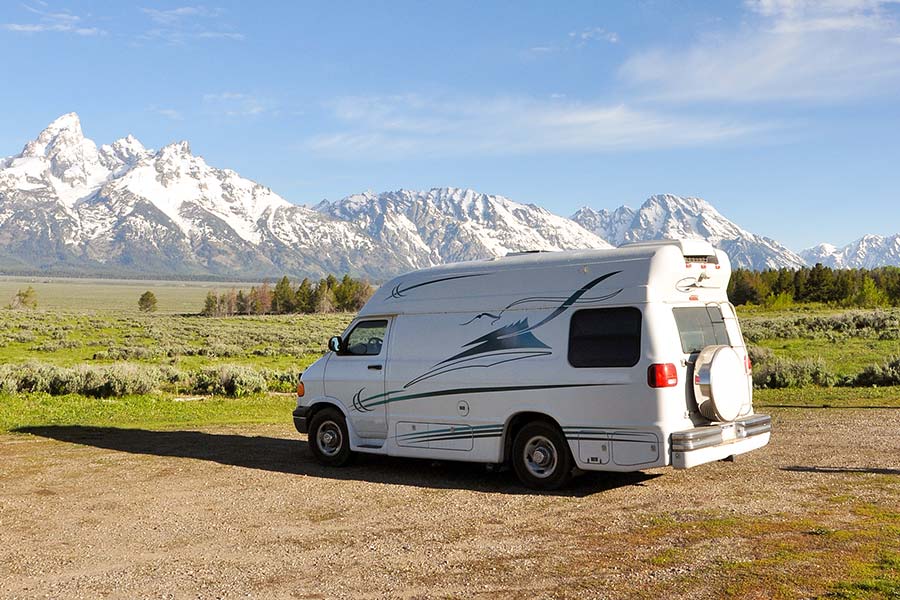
{"points": [[329, 440], [541, 457]]}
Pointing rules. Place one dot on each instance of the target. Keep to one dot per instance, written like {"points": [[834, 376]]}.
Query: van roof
{"points": [[549, 258], [638, 271]]}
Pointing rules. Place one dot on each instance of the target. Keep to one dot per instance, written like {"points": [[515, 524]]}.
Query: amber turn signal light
{"points": [[300, 389]]}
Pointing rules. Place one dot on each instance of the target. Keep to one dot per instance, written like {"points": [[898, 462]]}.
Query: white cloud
{"points": [[594, 34], [786, 50], [53, 22], [222, 35], [181, 24], [414, 126], [236, 104], [169, 113], [577, 39], [174, 15]]}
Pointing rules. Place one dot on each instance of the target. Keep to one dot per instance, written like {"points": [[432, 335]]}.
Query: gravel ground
{"points": [[245, 512]]}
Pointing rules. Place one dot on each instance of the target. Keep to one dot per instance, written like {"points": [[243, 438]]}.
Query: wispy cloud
{"points": [[237, 104], [174, 16], [825, 50], [416, 126], [182, 24], [594, 34], [169, 113], [49, 21], [577, 40]]}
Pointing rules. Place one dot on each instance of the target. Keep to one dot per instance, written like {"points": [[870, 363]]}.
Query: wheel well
{"points": [[517, 422], [318, 406]]}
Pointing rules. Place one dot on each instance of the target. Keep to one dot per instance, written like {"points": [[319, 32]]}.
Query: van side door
{"points": [[356, 376]]}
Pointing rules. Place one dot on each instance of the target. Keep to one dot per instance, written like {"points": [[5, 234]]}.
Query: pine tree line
{"points": [[325, 296], [865, 288]]}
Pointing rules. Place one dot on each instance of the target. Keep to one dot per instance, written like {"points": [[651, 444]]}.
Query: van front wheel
{"points": [[329, 441], [541, 457]]}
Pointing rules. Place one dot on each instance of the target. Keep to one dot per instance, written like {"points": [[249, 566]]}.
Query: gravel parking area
{"points": [[91, 512]]}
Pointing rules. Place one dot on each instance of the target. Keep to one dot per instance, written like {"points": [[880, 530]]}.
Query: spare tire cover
{"points": [[720, 383]]}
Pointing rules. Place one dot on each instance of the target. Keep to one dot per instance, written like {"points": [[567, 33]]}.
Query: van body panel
{"points": [[470, 345]]}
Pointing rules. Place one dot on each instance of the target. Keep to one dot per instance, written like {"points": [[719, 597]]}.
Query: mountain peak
{"points": [[124, 152], [673, 202], [867, 252], [667, 216], [182, 147], [68, 121], [63, 132]]}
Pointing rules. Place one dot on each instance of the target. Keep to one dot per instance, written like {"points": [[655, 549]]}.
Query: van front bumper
{"points": [[301, 422], [715, 442]]}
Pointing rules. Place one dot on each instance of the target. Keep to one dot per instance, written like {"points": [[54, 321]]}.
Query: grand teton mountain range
{"points": [[68, 206]]}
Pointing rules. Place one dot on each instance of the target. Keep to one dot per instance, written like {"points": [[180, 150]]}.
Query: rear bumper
{"points": [[715, 442], [301, 414]]}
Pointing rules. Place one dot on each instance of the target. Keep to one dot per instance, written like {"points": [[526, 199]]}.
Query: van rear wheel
{"points": [[541, 457], [329, 440]]}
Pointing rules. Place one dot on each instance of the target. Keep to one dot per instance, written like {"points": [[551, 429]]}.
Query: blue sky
{"points": [[782, 113]]}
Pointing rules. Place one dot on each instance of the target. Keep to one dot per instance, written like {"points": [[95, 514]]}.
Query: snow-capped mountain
{"points": [[66, 205], [868, 252], [451, 224], [667, 216], [69, 206]]}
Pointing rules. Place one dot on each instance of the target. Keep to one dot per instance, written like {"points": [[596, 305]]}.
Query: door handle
{"points": [[375, 367]]}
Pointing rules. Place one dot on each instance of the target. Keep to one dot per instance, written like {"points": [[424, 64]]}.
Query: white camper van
{"points": [[607, 360]]}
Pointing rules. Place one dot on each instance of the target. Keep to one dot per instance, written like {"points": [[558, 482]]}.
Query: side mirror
{"points": [[335, 344]]}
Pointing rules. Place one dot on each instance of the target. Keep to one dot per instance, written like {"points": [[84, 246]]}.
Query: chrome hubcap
{"points": [[541, 457], [329, 439]]}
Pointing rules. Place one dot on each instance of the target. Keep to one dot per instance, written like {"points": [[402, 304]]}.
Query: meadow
{"points": [[88, 355]]}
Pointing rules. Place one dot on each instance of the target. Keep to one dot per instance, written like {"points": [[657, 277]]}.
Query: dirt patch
{"points": [[244, 512]]}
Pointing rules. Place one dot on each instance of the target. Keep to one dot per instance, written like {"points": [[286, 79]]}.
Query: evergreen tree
{"points": [[147, 302], [303, 301], [211, 304], [283, 298]]}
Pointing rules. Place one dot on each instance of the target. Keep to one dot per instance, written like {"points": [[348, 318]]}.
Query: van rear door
{"points": [[713, 324]]}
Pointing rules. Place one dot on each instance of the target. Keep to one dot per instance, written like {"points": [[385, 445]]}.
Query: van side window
{"points": [[366, 338], [605, 337], [699, 327]]}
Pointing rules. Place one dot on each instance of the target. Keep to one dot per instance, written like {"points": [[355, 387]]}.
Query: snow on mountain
{"points": [[868, 252], [667, 216], [452, 224], [68, 206]]}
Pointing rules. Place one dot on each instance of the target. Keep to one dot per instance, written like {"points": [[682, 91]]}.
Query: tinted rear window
{"points": [[699, 327], [605, 337]]}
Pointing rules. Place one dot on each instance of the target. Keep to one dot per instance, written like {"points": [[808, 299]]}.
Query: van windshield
{"points": [[700, 326]]}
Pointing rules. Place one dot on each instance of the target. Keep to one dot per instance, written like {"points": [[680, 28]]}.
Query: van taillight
{"points": [[748, 364], [301, 389], [662, 375]]}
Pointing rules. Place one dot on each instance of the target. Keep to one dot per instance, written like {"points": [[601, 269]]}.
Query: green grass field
{"points": [[86, 329]]}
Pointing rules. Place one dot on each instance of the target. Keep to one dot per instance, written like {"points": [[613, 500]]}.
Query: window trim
{"points": [[640, 331]]}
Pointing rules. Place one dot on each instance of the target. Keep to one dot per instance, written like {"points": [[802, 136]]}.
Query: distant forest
{"points": [[864, 288], [325, 296]]}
